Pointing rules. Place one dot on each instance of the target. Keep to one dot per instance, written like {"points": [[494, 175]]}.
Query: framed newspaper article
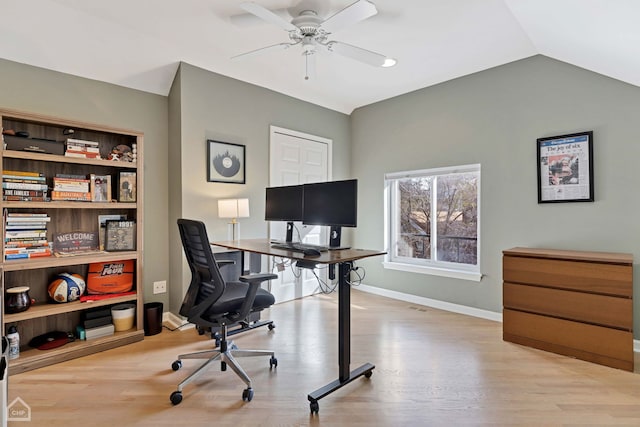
{"points": [[565, 168]]}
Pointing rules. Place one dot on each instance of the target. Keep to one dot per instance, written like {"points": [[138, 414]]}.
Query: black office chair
{"points": [[212, 302]]}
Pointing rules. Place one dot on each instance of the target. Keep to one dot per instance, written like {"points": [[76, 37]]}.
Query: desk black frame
{"points": [[344, 258]]}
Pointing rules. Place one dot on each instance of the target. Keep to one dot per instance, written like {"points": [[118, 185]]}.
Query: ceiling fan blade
{"points": [[267, 15], [359, 54], [279, 46], [246, 20], [356, 12]]}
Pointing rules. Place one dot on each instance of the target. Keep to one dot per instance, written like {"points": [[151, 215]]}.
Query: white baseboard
{"points": [[447, 306], [442, 305]]}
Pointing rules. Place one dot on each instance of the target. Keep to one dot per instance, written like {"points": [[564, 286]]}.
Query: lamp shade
{"points": [[233, 208]]}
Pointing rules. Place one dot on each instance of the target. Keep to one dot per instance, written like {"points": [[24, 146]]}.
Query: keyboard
{"points": [[297, 246]]}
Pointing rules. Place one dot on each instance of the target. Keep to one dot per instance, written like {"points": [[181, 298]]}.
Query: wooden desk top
{"points": [[263, 246]]}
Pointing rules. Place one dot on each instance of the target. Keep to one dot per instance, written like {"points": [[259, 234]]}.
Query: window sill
{"points": [[444, 272]]}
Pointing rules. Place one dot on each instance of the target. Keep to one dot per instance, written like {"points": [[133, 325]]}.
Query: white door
{"points": [[297, 158]]}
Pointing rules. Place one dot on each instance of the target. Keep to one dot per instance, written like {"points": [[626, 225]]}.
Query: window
{"points": [[432, 221]]}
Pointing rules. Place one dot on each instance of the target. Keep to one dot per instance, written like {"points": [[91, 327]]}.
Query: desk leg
{"points": [[344, 343]]}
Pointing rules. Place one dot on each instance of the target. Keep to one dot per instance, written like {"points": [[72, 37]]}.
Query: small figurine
{"points": [[121, 153]]}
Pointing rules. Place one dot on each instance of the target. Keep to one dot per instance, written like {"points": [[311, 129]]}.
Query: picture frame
{"points": [[100, 188], [127, 187], [102, 226], [225, 162], [565, 168], [120, 235]]}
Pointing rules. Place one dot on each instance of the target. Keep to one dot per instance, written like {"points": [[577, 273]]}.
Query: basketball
{"points": [[66, 287]]}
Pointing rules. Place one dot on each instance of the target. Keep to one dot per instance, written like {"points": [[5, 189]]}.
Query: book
{"points": [[30, 193], [94, 313], [24, 186], [22, 173], [29, 234], [99, 331], [18, 178], [82, 141], [98, 321], [25, 199], [71, 195], [100, 297]]}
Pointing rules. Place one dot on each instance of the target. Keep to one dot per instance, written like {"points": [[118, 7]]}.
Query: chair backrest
{"points": [[206, 279]]}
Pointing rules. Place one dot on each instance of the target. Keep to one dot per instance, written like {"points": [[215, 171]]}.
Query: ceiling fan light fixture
{"points": [[389, 62]]}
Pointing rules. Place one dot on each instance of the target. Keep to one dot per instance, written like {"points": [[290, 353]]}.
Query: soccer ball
{"points": [[66, 287]]}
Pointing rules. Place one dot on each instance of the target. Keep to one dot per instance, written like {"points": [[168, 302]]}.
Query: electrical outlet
{"points": [[160, 287]]}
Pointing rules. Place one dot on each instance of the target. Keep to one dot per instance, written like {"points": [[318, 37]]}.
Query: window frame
{"points": [[391, 224]]}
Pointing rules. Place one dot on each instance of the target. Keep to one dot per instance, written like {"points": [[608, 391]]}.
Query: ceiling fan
{"points": [[309, 30]]}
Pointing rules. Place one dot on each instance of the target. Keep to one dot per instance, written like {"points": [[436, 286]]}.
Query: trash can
{"points": [[152, 318]]}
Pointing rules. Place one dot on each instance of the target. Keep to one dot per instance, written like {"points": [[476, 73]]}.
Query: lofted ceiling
{"points": [[139, 43]]}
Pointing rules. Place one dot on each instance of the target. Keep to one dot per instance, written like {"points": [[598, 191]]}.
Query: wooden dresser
{"points": [[574, 303]]}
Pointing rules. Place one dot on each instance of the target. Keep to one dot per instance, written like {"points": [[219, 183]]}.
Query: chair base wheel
{"points": [[176, 365], [247, 394], [176, 397], [314, 407], [273, 362]]}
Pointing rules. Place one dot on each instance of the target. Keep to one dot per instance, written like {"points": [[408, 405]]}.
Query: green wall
{"points": [[216, 107], [37, 90], [494, 118]]}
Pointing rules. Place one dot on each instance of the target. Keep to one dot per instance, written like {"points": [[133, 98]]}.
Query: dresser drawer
{"points": [[597, 344], [605, 279], [596, 309]]}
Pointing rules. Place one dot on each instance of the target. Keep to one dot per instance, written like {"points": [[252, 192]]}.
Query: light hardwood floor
{"points": [[433, 368]]}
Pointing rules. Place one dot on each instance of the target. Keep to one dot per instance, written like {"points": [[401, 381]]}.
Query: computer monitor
{"points": [[333, 203], [284, 204]]}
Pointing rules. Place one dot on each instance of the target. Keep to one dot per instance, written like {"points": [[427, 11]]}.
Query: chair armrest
{"points": [[254, 281], [223, 262], [260, 277]]}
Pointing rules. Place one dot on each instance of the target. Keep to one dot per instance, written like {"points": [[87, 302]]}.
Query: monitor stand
{"points": [[334, 239], [289, 238]]}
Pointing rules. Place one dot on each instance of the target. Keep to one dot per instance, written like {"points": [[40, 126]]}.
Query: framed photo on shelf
{"points": [[225, 162], [100, 187], [565, 168], [102, 226], [120, 235], [127, 187]]}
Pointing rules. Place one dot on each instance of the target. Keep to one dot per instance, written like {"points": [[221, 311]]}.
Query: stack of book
{"points": [[26, 235], [24, 186], [82, 148], [98, 323], [70, 187]]}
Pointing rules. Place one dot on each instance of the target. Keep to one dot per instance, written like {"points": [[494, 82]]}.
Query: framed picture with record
{"points": [[225, 162]]}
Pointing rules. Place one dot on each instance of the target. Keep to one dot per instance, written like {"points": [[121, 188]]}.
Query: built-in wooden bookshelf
{"points": [[66, 216]]}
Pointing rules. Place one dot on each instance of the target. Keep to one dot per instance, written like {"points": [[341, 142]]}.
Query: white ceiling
{"points": [[139, 43]]}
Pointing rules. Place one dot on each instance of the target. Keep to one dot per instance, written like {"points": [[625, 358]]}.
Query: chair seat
{"points": [[233, 297]]}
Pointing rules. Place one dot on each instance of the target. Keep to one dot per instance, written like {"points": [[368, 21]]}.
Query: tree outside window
{"points": [[434, 217]]}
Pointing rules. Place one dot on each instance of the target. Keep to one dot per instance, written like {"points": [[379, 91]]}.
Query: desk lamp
{"points": [[234, 209]]}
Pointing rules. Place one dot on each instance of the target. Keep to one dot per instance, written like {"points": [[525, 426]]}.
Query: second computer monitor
{"points": [[284, 204], [333, 203]]}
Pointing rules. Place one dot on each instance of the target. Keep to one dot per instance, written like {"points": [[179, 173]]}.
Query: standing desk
{"points": [[344, 258]]}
